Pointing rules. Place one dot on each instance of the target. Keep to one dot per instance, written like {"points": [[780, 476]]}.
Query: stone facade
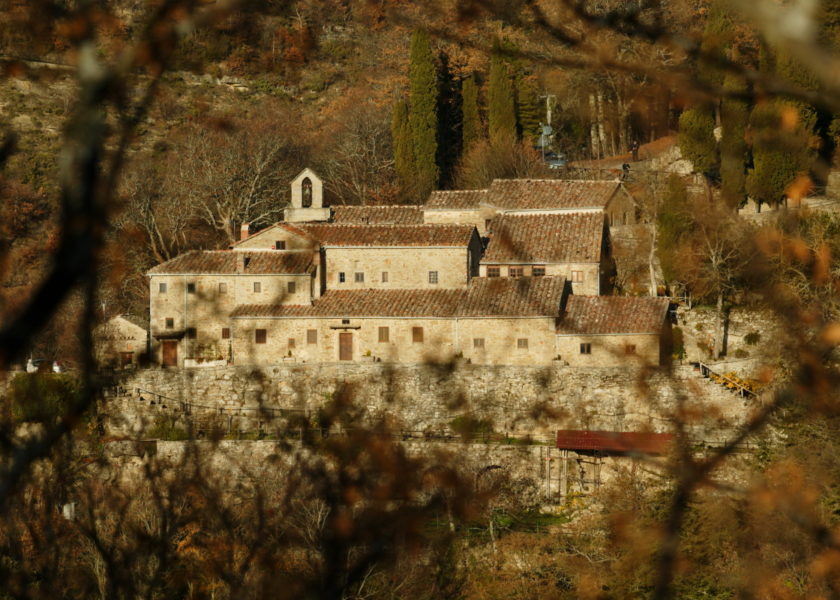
{"points": [[610, 350], [585, 278], [120, 342]]}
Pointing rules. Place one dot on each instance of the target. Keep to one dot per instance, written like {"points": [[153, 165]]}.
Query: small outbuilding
{"points": [[121, 341]]}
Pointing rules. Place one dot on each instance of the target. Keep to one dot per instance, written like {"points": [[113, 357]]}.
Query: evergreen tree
{"points": [[673, 223], [401, 137], [471, 122], [734, 116], [697, 138], [450, 119], [501, 110], [528, 109], [422, 117]]}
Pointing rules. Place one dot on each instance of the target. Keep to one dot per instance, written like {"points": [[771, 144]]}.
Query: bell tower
{"points": [[307, 199]]}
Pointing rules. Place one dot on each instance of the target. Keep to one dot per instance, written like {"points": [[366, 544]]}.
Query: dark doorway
{"points": [[170, 354]]}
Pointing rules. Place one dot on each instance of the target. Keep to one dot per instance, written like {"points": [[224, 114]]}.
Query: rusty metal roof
{"points": [[614, 441], [545, 238]]}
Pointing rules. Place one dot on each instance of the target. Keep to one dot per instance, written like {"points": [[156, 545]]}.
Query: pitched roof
{"points": [[493, 297], [545, 238], [224, 262], [612, 314], [456, 199], [331, 234], [529, 194], [614, 441], [512, 297], [378, 215]]}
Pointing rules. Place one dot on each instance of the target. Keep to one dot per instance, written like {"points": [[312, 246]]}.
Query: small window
{"points": [[384, 334], [360, 277], [586, 348], [170, 323], [291, 343], [246, 261], [492, 271], [577, 276], [522, 343], [191, 288], [341, 278], [311, 336], [487, 224], [384, 276], [478, 342], [191, 333], [630, 349], [225, 333], [291, 287], [259, 336], [162, 288], [417, 335], [279, 245], [433, 277], [538, 271], [345, 321], [515, 271], [222, 288], [257, 287]]}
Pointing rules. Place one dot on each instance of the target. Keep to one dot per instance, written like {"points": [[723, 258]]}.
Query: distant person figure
{"points": [[634, 149]]}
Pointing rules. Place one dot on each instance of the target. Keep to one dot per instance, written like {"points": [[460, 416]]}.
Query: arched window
{"points": [[306, 200]]}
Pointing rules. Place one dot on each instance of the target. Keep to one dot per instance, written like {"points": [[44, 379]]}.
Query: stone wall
{"points": [[427, 398]]}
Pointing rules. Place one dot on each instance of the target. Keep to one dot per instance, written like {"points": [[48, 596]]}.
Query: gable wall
{"points": [[265, 239]]}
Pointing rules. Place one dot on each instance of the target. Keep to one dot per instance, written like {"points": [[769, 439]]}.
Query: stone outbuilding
{"points": [[121, 341]]}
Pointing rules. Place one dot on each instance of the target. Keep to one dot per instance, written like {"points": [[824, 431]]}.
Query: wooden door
{"points": [[345, 346], [170, 354], [126, 358]]}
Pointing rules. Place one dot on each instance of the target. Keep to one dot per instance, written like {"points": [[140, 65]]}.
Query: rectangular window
{"points": [[433, 277], [577, 276], [492, 271], [259, 336], [478, 342], [345, 321], [191, 333], [515, 271], [222, 288], [384, 334], [291, 343], [360, 277], [257, 287], [630, 349], [586, 348], [191, 288], [170, 323], [279, 245], [225, 333], [384, 276], [311, 336], [417, 335], [522, 343], [538, 271], [291, 287], [162, 288], [341, 278]]}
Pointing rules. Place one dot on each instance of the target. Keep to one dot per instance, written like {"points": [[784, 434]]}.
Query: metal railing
{"points": [[736, 386]]}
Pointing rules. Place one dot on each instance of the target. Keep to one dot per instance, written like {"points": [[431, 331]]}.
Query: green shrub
{"points": [[469, 426], [741, 353], [40, 397], [166, 427], [678, 341]]}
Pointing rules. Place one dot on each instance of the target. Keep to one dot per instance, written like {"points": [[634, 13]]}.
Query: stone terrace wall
{"points": [[519, 400]]}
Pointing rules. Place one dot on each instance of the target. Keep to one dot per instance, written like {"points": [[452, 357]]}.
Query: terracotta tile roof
{"points": [[328, 234], [456, 199], [518, 297], [512, 296], [224, 262], [557, 238], [527, 194], [378, 215], [612, 314], [614, 441]]}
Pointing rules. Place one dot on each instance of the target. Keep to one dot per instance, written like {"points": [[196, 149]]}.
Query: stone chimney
{"points": [[245, 231]]}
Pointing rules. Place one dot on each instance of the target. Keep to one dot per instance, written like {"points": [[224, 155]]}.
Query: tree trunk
{"points": [[593, 128], [602, 135], [651, 258], [718, 350]]}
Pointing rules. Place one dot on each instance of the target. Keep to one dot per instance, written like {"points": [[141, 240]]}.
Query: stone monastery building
{"points": [[515, 274]]}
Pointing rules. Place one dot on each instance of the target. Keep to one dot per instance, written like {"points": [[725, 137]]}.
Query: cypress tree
{"points": [[471, 122], [501, 110], [734, 116], [422, 117], [697, 138], [673, 223], [528, 109], [401, 138]]}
